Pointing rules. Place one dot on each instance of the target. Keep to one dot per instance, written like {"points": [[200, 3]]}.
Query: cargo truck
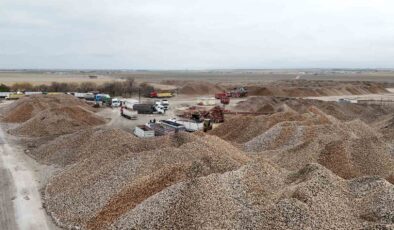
{"points": [[33, 93], [190, 125], [5, 94], [79, 95], [144, 131], [115, 102], [89, 97], [149, 108], [166, 127], [128, 113], [155, 94], [15, 96]]}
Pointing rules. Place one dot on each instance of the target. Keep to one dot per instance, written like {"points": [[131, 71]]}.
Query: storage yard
{"points": [[276, 155]]}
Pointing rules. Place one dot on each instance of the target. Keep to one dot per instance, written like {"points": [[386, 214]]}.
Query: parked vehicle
{"points": [[15, 96], [128, 103], [155, 94], [89, 97], [149, 108], [103, 98], [33, 93], [166, 127], [220, 95], [5, 94], [80, 95], [190, 125], [115, 102], [128, 113], [144, 131], [163, 103]]}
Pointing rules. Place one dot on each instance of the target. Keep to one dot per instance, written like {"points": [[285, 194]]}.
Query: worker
{"points": [[154, 120]]}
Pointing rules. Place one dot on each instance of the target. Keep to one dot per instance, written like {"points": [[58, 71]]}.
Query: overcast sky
{"points": [[198, 34]]}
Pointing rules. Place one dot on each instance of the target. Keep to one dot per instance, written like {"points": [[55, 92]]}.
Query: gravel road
{"points": [[20, 200]]}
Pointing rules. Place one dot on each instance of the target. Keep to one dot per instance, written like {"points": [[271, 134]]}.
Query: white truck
{"points": [[80, 95], [5, 94], [32, 93], [163, 103], [128, 113], [190, 125], [115, 102], [129, 103]]}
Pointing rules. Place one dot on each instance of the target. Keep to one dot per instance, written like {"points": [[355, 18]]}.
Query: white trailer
{"points": [[144, 131], [5, 94], [129, 103], [32, 93], [128, 113], [190, 125], [206, 101], [80, 95]]}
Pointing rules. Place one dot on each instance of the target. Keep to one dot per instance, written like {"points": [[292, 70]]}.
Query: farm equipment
{"points": [[225, 100], [238, 92], [207, 125], [221, 95], [216, 114], [235, 93]]}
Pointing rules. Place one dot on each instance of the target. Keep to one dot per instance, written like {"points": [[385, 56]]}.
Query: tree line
{"points": [[125, 88]]}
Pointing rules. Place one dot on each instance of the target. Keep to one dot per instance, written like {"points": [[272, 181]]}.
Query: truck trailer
{"points": [[149, 108], [144, 131], [128, 113]]}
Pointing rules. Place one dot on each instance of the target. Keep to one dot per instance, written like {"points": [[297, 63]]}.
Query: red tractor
{"points": [[220, 95], [225, 100]]}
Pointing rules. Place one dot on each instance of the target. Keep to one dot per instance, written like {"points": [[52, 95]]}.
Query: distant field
{"points": [[44, 78], [240, 77]]}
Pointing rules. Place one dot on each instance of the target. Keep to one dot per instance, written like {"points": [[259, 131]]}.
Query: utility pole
{"points": [[139, 95]]}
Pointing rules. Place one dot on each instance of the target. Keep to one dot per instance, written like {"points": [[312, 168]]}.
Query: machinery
{"points": [[207, 125], [235, 93]]}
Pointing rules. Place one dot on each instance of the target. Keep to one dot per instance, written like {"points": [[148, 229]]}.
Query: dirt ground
{"points": [[388, 96], [21, 181], [22, 178]]}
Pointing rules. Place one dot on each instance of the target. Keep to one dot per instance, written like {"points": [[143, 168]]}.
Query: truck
{"points": [[163, 103], [190, 125], [144, 131], [238, 92], [155, 94], [128, 113], [79, 95], [5, 94], [89, 96], [115, 102], [15, 96], [103, 98], [222, 94], [33, 93], [129, 103], [166, 127], [235, 93], [149, 108]]}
